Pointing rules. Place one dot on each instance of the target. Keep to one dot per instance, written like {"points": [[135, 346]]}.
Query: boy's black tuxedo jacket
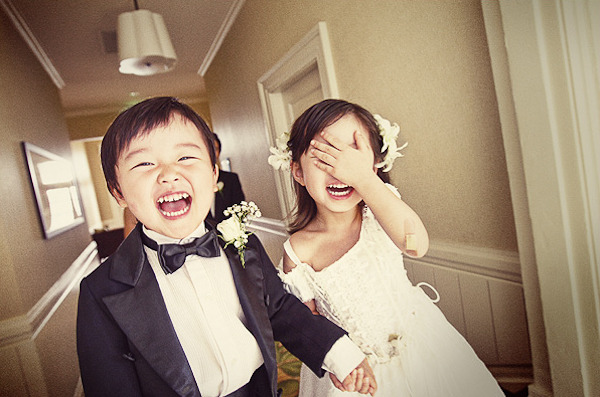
{"points": [[231, 193], [127, 345]]}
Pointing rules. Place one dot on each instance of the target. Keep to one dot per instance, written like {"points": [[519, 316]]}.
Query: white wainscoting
{"points": [[21, 366], [481, 295]]}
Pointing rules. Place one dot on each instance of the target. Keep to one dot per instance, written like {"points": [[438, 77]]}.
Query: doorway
{"points": [[304, 76]]}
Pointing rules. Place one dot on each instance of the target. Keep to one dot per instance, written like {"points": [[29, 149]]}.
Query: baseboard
{"points": [[519, 375], [28, 326], [536, 390]]}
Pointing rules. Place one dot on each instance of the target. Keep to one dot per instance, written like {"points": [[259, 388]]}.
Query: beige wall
{"points": [[422, 64], [30, 265], [95, 123]]}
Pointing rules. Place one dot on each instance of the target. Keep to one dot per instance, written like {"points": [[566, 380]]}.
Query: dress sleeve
{"points": [[298, 281]]}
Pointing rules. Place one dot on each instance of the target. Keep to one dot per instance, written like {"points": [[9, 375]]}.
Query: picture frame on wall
{"points": [[55, 188]]}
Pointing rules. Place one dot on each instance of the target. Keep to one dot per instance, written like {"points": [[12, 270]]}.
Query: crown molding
{"points": [[216, 44], [32, 42]]}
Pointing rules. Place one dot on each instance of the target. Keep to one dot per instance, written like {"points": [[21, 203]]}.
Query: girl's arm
{"points": [[312, 306], [354, 166], [397, 218]]}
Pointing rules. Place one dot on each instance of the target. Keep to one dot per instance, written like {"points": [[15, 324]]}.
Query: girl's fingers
{"points": [[332, 140], [361, 141], [365, 387], [336, 382], [323, 157], [359, 380], [323, 166], [324, 148]]}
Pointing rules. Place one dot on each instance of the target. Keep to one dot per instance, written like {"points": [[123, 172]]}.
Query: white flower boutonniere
{"points": [[233, 230]]}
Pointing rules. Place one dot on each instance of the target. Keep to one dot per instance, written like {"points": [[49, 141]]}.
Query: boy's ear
{"points": [[119, 197], [297, 173], [215, 179]]}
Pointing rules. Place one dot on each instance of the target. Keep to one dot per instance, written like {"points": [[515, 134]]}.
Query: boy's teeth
{"points": [[175, 213], [173, 197]]}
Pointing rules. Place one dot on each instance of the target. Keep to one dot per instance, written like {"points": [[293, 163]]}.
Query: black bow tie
{"points": [[172, 256]]}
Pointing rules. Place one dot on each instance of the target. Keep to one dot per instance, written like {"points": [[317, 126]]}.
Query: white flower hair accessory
{"points": [[389, 132], [281, 155], [233, 230]]}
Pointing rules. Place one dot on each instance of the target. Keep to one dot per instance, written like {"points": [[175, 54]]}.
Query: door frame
{"points": [[312, 50]]}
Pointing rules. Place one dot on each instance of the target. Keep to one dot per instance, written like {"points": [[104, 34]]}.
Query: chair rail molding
{"points": [[28, 326]]}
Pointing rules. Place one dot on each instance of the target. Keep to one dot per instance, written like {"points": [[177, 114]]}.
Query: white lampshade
{"points": [[144, 44]]}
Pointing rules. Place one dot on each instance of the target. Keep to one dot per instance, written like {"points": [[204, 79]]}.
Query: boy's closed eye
{"points": [[143, 164]]}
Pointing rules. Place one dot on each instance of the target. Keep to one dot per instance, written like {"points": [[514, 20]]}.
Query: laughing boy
{"points": [[173, 312]]}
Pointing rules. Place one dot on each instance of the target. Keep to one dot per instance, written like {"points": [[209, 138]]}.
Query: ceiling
{"points": [[73, 40]]}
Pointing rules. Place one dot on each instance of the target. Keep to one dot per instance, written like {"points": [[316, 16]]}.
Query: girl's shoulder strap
{"points": [[287, 246]]}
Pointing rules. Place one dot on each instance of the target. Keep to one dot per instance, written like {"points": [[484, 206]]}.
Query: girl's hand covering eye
{"points": [[348, 164]]}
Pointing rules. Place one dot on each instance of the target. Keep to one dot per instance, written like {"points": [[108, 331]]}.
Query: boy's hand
{"points": [[361, 380], [345, 163]]}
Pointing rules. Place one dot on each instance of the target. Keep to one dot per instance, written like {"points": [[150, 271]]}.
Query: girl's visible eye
{"points": [[186, 158]]}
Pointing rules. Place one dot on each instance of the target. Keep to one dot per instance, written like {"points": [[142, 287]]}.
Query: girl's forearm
{"points": [[398, 219]]}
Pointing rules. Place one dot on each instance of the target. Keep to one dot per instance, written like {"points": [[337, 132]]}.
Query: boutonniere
{"points": [[233, 230], [220, 186]]}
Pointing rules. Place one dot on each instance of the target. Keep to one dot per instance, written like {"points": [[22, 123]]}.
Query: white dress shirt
{"points": [[206, 313]]}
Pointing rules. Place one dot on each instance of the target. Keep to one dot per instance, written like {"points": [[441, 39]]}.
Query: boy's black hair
{"points": [[139, 120], [217, 141]]}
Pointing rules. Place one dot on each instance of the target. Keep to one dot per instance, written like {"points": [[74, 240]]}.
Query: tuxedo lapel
{"points": [[141, 313], [249, 285]]}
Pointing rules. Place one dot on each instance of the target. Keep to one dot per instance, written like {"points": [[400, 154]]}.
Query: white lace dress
{"points": [[413, 349]]}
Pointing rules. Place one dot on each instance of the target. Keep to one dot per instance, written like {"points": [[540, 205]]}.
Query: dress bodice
{"points": [[358, 290], [413, 350]]}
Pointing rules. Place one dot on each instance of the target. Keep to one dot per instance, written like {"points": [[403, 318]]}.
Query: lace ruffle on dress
{"points": [[413, 349]]}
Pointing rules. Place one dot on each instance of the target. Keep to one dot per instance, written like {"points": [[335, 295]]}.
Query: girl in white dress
{"points": [[344, 258]]}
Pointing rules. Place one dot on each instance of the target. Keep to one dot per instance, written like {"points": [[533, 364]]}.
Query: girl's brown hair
{"points": [[310, 123]]}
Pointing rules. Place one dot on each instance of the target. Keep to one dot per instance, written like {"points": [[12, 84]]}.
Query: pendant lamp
{"points": [[144, 44]]}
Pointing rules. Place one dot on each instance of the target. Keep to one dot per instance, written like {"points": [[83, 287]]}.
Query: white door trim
{"points": [[313, 49]]}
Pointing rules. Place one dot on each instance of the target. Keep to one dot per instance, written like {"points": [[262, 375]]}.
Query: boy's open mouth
{"points": [[339, 190], [174, 204]]}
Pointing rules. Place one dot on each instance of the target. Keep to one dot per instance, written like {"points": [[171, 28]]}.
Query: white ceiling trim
{"points": [[32, 42], [216, 44]]}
